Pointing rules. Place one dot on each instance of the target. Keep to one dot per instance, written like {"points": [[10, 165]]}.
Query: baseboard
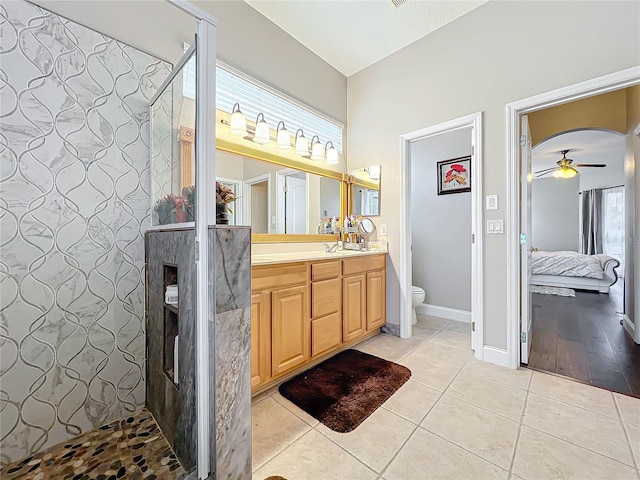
{"points": [[495, 355], [444, 312], [629, 327]]}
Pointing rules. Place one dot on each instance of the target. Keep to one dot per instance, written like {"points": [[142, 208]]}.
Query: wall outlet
{"points": [[492, 202], [384, 229]]}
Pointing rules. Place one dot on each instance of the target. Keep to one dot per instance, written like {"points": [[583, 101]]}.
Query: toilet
{"points": [[417, 297]]}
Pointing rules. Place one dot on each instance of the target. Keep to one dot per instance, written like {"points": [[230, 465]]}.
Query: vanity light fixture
{"points": [[238, 124], [283, 139], [302, 144], [331, 153], [317, 152], [262, 131], [374, 172]]}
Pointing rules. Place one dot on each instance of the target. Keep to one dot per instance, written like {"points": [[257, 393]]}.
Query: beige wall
{"points": [[607, 111], [246, 40], [498, 53]]}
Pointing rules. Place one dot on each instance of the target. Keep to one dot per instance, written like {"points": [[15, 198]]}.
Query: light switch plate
{"points": [[492, 202], [384, 229], [495, 226]]}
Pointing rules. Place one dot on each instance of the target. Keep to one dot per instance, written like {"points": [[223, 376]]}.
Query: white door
{"points": [[526, 308], [295, 205]]}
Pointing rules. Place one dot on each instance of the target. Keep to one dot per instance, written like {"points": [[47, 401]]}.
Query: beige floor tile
{"points": [[427, 456], [426, 332], [376, 441], [499, 398], [412, 401], [433, 322], [293, 408], [459, 327], [453, 338], [274, 427], [595, 432], [629, 408], [540, 457], [486, 434], [444, 354], [574, 393], [516, 378], [431, 374], [633, 433], [390, 347], [315, 457]]}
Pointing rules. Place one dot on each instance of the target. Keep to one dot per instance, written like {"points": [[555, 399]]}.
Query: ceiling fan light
{"points": [[565, 172], [262, 135], [237, 124], [317, 152], [302, 144], [283, 138]]}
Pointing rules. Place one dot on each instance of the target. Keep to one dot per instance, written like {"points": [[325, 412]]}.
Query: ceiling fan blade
{"points": [[542, 172], [596, 165]]}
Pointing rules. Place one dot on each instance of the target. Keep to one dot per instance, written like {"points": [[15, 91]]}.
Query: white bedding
{"points": [[566, 264]]}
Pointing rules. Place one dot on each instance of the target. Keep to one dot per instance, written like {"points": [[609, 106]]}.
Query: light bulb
{"points": [[317, 152], [238, 124], [262, 131], [302, 144], [283, 139], [332, 154]]}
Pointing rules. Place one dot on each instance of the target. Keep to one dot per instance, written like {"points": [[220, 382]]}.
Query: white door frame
{"points": [[246, 193], [578, 91], [473, 121]]}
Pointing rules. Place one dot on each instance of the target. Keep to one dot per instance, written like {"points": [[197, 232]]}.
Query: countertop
{"points": [[275, 258]]}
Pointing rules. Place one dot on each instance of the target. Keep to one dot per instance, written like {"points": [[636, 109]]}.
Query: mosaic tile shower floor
{"points": [[131, 448]]}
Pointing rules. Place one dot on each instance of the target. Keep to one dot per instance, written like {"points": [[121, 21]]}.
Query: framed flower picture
{"points": [[454, 176]]}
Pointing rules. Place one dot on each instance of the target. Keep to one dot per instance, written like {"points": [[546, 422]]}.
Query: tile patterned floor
{"points": [[456, 418], [132, 448]]}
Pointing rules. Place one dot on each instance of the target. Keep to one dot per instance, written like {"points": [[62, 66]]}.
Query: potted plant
{"points": [[224, 196], [189, 193]]}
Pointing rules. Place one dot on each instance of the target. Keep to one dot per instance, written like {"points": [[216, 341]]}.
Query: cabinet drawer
{"points": [[326, 333], [325, 270], [354, 266], [269, 277], [325, 297]]}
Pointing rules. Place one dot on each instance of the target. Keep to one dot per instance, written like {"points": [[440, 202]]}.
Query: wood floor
{"points": [[581, 337]]}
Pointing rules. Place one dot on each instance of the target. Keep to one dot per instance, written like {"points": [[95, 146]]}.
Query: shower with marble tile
{"points": [[87, 124]]}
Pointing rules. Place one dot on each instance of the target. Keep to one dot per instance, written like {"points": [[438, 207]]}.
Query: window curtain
{"points": [[613, 224], [591, 222]]}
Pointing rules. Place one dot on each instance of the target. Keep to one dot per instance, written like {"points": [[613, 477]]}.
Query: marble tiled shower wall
{"points": [[74, 180]]}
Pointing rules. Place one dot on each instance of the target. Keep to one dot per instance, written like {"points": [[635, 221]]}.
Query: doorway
{"points": [[519, 242], [473, 122], [292, 201]]}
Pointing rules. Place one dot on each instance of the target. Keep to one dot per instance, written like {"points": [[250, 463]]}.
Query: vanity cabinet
{"points": [[303, 312]]}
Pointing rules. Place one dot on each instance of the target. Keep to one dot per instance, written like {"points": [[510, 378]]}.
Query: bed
{"points": [[574, 270]]}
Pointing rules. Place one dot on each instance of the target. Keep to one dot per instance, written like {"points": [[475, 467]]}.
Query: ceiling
{"points": [[587, 146], [351, 35]]}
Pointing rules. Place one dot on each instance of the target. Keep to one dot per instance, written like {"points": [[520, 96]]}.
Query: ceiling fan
{"points": [[566, 168]]}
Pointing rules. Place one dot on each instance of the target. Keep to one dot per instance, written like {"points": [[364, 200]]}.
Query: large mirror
{"points": [[364, 191], [275, 199]]}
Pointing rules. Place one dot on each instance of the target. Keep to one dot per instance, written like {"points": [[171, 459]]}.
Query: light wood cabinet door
{"points": [[290, 337], [326, 334], [260, 339], [376, 304], [353, 307], [325, 297]]}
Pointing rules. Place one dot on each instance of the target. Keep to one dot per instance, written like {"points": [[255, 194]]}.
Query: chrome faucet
{"points": [[330, 248]]}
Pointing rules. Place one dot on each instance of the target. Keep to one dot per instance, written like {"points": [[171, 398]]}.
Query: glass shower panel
{"points": [[171, 267], [173, 119]]}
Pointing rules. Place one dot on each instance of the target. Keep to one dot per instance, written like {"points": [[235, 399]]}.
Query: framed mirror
{"points": [[279, 202], [364, 191]]}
